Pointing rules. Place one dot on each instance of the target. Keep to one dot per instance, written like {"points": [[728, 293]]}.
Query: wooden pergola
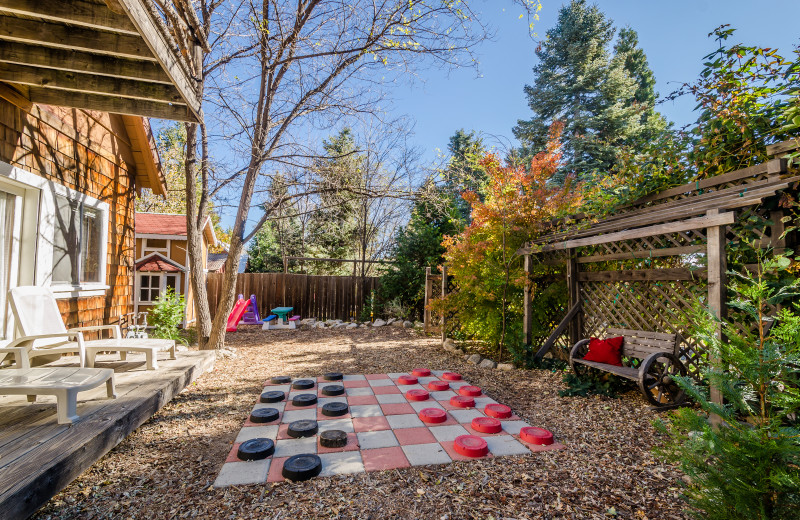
{"points": [[114, 56], [646, 265]]}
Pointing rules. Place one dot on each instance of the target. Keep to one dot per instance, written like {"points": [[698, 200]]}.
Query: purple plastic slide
{"points": [[251, 315]]}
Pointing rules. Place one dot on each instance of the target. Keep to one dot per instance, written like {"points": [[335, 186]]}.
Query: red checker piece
{"points": [[497, 410], [407, 380], [462, 401], [417, 394], [536, 435], [470, 391], [486, 425], [438, 386], [451, 376], [432, 415], [421, 372], [471, 446]]}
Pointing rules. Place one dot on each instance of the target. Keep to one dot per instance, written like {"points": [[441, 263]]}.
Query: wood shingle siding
{"points": [[89, 153]]}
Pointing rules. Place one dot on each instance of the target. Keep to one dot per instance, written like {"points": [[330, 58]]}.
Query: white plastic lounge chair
{"points": [[23, 349], [36, 313], [62, 382]]}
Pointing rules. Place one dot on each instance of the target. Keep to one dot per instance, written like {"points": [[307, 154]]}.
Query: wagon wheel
{"points": [[657, 379]]}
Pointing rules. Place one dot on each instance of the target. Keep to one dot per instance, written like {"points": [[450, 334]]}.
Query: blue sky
{"points": [[673, 34]]}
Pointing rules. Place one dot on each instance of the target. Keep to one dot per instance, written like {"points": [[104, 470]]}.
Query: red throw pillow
{"points": [[608, 351]]}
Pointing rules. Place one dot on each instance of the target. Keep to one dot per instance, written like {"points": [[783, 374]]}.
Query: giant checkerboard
{"points": [[384, 430]]}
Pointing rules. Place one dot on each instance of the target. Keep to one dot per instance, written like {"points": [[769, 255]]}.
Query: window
{"points": [[76, 243], [151, 285], [155, 245], [10, 213]]}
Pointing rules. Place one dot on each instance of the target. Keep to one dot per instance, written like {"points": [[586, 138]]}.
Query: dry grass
{"points": [[165, 469]]}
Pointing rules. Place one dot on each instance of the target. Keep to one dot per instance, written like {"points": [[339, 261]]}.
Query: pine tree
{"points": [[463, 172], [334, 225], [605, 100]]}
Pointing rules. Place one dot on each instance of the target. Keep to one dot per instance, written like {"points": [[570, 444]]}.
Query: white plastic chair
{"points": [[36, 313]]}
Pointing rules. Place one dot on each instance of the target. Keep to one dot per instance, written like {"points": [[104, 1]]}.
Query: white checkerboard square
{"points": [[391, 398], [410, 420], [258, 432], [290, 447], [379, 439], [300, 415], [238, 473], [448, 433], [423, 454], [346, 425], [505, 445], [419, 405], [359, 391], [366, 410], [342, 463]]}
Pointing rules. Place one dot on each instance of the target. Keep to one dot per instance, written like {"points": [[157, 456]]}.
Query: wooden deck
{"points": [[39, 457]]}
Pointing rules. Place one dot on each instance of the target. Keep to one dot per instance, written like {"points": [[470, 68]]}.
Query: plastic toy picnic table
{"points": [[282, 322]]}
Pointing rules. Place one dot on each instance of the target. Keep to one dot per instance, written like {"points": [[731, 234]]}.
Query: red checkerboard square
{"points": [[408, 436], [396, 409], [275, 469], [371, 377], [356, 384], [370, 424], [321, 417], [385, 390], [384, 458], [232, 456], [352, 445], [358, 400], [451, 450]]}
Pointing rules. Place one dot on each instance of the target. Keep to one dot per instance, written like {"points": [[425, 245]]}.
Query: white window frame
{"points": [[148, 250], [162, 284], [39, 207]]}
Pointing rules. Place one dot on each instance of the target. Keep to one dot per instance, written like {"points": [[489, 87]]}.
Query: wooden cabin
{"points": [[162, 260], [77, 80], [68, 180]]}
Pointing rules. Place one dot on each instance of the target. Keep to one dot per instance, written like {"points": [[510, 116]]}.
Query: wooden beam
{"points": [[651, 253], [772, 166], [63, 37], [574, 290], [717, 287], [112, 104], [80, 61], [722, 219], [551, 340], [88, 83], [76, 12], [784, 147], [15, 98], [341, 260], [444, 293], [426, 316], [634, 275], [527, 304], [174, 65]]}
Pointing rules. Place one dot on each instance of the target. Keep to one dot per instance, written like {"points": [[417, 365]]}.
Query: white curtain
{"points": [[7, 201]]}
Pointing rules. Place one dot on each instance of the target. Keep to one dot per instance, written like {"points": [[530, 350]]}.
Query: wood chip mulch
{"points": [[165, 468]]}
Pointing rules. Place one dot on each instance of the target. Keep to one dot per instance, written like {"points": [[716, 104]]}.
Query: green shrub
{"points": [[748, 465], [166, 315]]}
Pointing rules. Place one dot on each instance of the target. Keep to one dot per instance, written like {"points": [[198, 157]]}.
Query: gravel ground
{"points": [[165, 468]]}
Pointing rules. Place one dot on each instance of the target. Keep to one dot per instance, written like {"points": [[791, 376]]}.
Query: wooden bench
{"points": [[62, 382], [649, 358]]}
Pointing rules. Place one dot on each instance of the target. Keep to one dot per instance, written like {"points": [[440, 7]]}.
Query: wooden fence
{"points": [[320, 297]]}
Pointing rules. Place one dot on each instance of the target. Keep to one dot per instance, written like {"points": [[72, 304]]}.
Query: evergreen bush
{"points": [[746, 465]]}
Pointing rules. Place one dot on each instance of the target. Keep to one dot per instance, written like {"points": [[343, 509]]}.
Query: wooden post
{"points": [[574, 295], [777, 243], [444, 293], [717, 283], [428, 290], [527, 323]]}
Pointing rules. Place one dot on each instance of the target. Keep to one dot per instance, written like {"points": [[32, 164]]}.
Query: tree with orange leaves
{"points": [[482, 260]]}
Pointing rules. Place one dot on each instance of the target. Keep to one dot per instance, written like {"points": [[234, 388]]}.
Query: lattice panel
{"points": [[664, 241], [695, 192], [651, 306]]}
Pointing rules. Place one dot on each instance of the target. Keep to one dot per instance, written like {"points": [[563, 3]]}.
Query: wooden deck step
{"points": [[39, 457]]}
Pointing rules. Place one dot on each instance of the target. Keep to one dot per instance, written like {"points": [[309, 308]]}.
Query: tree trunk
{"points": [[194, 235]]}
